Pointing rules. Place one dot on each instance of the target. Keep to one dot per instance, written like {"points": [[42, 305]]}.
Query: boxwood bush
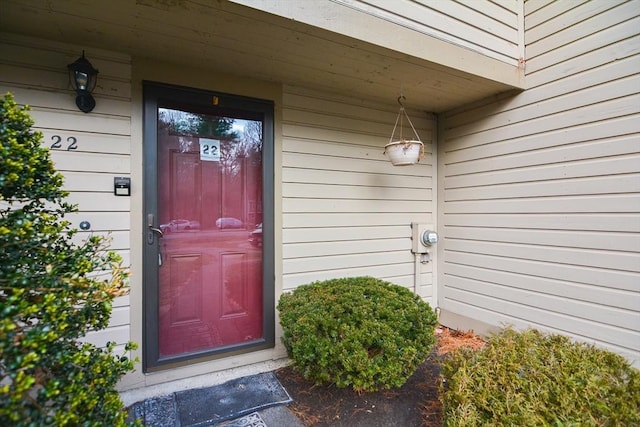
{"points": [[532, 379], [52, 292], [358, 332]]}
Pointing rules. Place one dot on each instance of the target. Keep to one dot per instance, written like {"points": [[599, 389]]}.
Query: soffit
{"points": [[234, 39]]}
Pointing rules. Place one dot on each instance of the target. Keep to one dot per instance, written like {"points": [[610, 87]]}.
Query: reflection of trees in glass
{"points": [[236, 178], [247, 145], [239, 139], [241, 167], [253, 134], [183, 123]]}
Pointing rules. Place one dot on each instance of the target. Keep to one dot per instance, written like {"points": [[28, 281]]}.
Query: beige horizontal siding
{"points": [[604, 278], [401, 274], [550, 238], [102, 220], [578, 257], [598, 185], [613, 222], [346, 210], [341, 219], [621, 300], [540, 192], [612, 108], [93, 148], [87, 181], [490, 28], [609, 34], [551, 26], [620, 147], [362, 232]]}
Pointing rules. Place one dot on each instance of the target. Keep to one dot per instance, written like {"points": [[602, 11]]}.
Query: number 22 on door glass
{"points": [[210, 150]]}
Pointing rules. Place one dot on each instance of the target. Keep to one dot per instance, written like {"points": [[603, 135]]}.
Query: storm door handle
{"points": [[152, 230]]}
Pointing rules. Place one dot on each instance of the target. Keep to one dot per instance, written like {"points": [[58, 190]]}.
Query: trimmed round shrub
{"points": [[358, 332], [529, 378]]}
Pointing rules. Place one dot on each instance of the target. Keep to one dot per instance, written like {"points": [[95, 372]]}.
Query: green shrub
{"points": [[52, 292], [359, 332], [531, 379]]}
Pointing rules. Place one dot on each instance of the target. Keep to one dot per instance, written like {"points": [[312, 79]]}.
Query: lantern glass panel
{"points": [[82, 79]]}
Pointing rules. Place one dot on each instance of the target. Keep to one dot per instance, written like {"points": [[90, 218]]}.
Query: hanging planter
{"points": [[404, 152], [400, 150]]}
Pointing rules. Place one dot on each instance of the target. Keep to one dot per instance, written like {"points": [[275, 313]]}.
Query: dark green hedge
{"points": [[358, 332]]}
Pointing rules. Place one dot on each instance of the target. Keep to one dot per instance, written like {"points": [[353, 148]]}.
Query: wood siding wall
{"points": [[35, 71], [346, 210], [487, 27], [540, 212]]}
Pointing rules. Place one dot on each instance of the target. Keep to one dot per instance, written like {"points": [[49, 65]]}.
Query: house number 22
{"points": [[70, 144]]}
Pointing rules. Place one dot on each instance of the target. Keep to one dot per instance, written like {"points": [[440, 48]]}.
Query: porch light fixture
{"points": [[83, 79]]}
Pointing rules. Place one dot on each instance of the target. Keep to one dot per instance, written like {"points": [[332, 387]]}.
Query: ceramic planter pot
{"points": [[404, 152]]}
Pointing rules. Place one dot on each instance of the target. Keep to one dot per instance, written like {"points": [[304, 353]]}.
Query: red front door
{"points": [[209, 244]]}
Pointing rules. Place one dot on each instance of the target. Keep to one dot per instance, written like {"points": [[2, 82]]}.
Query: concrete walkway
{"points": [[252, 401]]}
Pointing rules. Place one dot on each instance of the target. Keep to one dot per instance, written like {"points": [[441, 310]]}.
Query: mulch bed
{"points": [[415, 404]]}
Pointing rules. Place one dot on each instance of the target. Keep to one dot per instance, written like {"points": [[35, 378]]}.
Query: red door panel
{"points": [[210, 267]]}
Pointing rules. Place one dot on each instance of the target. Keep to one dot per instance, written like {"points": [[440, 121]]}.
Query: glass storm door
{"points": [[206, 230]]}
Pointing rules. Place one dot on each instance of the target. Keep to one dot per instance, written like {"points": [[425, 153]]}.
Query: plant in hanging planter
{"points": [[403, 151]]}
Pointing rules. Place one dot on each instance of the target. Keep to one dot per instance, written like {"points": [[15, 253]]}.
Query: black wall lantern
{"points": [[83, 79]]}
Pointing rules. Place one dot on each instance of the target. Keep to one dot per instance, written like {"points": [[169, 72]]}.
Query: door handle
{"points": [[157, 230], [152, 230]]}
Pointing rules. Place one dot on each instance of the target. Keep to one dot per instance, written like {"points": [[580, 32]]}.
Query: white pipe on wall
{"points": [[416, 275]]}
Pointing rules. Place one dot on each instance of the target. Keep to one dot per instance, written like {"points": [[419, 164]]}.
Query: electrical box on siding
{"points": [[423, 237]]}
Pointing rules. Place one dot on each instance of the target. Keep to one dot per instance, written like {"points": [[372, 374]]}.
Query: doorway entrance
{"points": [[208, 284]]}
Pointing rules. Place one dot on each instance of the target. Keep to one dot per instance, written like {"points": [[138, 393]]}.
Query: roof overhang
{"points": [[293, 45]]}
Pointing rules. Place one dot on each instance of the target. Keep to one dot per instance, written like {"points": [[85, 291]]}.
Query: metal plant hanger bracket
{"points": [[399, 119]]}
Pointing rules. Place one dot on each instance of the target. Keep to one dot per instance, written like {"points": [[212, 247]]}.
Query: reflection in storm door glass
{"points": [[210, 212]]}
